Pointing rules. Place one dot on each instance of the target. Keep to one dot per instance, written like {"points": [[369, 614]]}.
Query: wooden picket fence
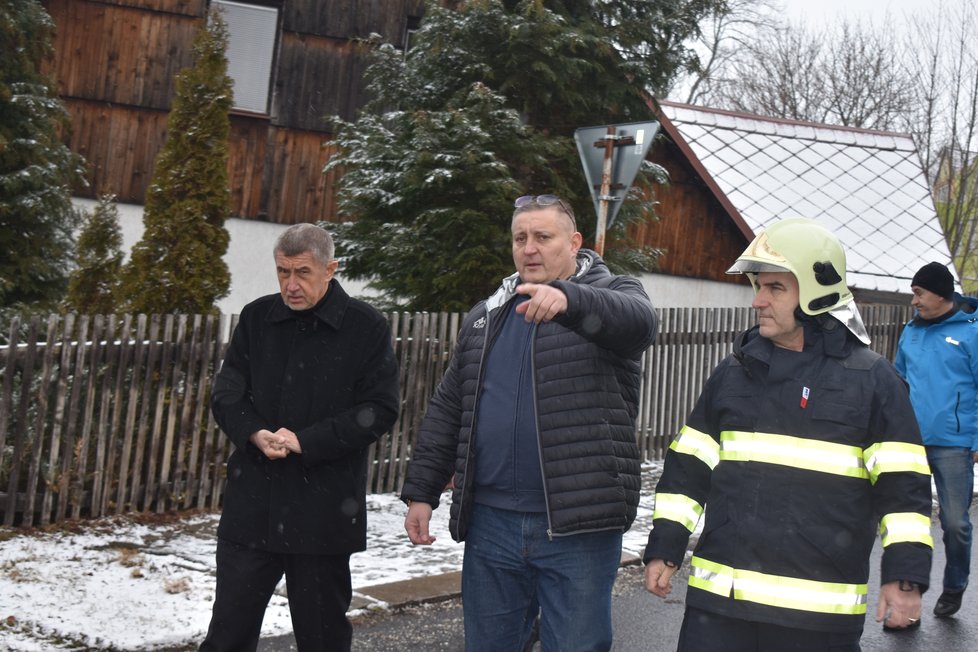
{"points": [[103, 415]]}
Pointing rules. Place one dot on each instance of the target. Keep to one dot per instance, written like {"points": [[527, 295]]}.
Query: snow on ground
{"points": [[147, 584]]}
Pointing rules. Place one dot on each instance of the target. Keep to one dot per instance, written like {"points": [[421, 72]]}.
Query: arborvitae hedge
{"points": [[93, 286], [178, 265]]}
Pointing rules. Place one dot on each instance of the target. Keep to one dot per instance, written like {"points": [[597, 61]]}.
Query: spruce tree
{"points": [[37, 170], [93, 285], [480, 110], [178, 265]]}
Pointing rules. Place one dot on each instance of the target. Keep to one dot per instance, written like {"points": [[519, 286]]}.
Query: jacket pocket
{"points": [[842, 414]]}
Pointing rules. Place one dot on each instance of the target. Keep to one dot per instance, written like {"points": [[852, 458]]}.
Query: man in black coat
{"points": [[309, 382], [534, 423]]}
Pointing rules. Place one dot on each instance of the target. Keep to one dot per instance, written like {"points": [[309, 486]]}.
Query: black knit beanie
{"points": [[936, 278]]}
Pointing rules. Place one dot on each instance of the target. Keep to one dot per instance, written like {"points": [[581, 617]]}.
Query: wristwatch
{"points": [[906, 585]]}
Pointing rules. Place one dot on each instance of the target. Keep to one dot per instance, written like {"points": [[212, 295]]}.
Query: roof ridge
{"points": [[786, 121]]}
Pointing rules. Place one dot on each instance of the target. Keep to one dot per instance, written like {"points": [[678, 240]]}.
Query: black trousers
{"points": [[319, 590], [708, 632]]}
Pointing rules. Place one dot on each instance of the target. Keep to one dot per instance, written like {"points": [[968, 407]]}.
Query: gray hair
{"points": [[302, 238]]}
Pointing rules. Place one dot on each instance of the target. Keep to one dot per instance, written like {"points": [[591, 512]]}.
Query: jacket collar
{"points": [[329, 310], [507, 289], [829, 338]]}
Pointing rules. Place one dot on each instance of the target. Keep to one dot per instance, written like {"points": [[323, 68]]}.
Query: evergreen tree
{"points": [[178, 265], [36, 169], [92, 287], [480, 110]]}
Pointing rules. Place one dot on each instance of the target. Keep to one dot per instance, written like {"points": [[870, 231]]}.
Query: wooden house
{"points": [[294, 64]]}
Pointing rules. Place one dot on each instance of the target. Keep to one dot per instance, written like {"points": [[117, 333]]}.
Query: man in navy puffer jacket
{"points": [[534, 426]]}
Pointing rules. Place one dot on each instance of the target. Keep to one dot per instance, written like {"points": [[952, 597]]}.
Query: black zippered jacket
{"points": [[586, 379]]}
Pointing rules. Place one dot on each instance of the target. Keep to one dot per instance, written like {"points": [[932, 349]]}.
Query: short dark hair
{"points": [[535, 205]]}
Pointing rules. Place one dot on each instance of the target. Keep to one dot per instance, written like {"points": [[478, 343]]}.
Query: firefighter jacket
{"points": [[796, 458]]}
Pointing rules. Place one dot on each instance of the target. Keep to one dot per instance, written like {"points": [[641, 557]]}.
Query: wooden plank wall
{"points": [[104, 415], [124, 55], [248, 152], [116, 61], [317, 78], [182, 7], [690, 343], [297, 191], [120, 144]]}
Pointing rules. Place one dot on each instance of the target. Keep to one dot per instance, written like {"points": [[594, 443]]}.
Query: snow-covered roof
{"points": [[866, 186]]}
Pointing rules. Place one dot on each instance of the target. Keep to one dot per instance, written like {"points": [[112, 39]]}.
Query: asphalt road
{"points": [[644, 622]]}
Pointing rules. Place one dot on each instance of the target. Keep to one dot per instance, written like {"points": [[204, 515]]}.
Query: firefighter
{"points": [[801, 446]]}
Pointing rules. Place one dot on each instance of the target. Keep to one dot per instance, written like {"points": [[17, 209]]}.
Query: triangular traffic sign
{"points": [[631, 142]]}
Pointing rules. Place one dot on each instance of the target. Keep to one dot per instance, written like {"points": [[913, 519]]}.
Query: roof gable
{"points": [[866, 186]]}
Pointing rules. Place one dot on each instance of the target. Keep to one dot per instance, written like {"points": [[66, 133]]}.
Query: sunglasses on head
{"points": [[541, 200]]}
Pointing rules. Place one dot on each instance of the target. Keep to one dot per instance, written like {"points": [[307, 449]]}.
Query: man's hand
{"points": [[270, 443], [658, 577], [546, 302], [289, 440], [416, 523], [898, 609]]}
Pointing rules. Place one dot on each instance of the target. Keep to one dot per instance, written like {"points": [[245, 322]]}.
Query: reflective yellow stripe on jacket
{"points": [[905, 527], [796, 452], [698, 444], [778, 591], [895, 457], [809, 454], [677, 507]]}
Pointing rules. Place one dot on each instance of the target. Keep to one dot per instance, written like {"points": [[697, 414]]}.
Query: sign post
{"points": [[612, 155]]}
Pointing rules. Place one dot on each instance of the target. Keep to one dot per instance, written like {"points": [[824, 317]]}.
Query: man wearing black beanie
{"points": [[936, 278], [937, 356]]}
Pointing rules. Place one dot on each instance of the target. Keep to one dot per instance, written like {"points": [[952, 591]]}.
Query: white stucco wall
{"points": [[678, 292]]}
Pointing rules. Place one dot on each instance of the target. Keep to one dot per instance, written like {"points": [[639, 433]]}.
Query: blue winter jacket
{"points": [[940, 362]]}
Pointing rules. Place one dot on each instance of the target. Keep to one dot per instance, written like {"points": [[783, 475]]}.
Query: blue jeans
{"points": [[511, 572], [954, 476]]}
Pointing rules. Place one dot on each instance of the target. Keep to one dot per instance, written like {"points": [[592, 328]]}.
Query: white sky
{"points": [[827, 11]]}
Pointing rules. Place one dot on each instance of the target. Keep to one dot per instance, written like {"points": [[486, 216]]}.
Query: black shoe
{"points": [[948, 604]]}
